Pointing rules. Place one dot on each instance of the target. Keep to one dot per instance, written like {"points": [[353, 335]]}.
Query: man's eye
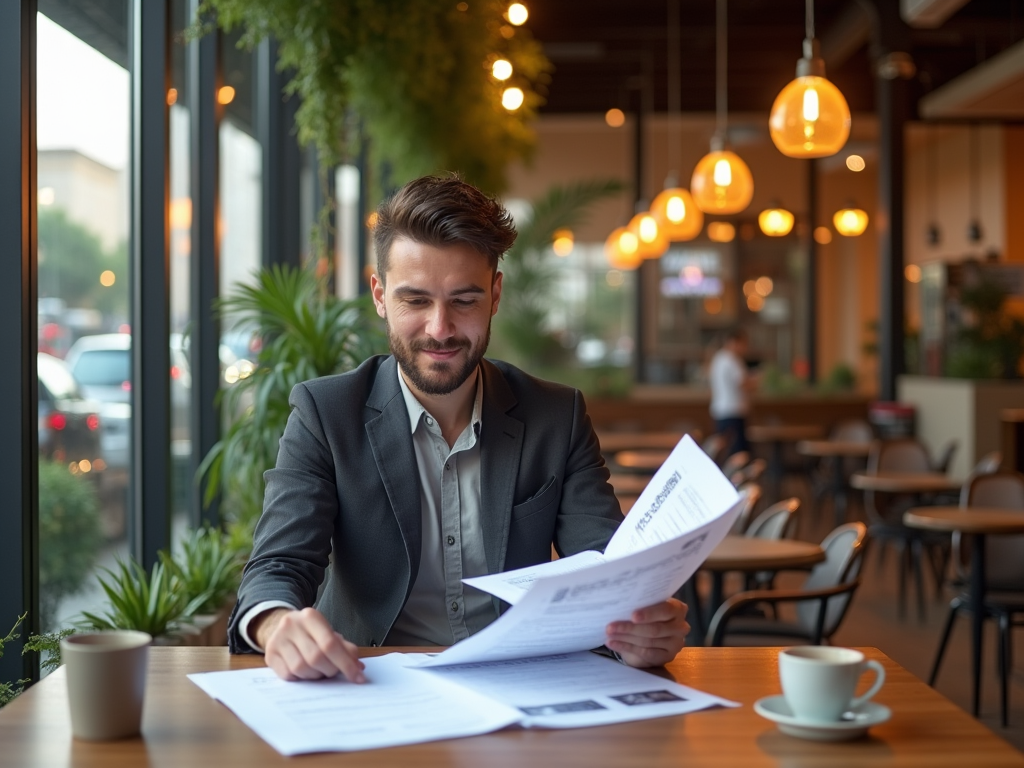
{"points": [[464, 302]]}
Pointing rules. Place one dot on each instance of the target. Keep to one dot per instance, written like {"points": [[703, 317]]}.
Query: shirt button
{"points": [[430, 421], [448, 466], [455, 607], [451, 540]]}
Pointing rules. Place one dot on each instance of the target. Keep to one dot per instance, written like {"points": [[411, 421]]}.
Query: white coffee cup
{"points": [[106, 673], [819, 681]]}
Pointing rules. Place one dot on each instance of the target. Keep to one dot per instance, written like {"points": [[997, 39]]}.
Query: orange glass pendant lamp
{"points": [[678, 216], [651, 238], [622, 248], [722, 182], [810, 116], [850, 221]]}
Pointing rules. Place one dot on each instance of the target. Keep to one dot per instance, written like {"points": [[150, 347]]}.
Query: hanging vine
{"points": [[417, 73]]}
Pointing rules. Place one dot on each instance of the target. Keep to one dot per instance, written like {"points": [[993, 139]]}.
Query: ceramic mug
{"points": [[106, 674], [819, 681]]}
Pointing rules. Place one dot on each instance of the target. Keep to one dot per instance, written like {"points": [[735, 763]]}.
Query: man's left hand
{"points": [[654, 635]]}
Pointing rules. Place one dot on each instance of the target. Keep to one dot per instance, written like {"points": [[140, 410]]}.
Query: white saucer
{"points": [[852, 725]]}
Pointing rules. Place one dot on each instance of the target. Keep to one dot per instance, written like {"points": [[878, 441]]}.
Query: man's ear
{"points": [[377, 291], [496, 292]]}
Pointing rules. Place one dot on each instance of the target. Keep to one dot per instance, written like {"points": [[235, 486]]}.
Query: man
{"points": [[397, 480], [730, 387]]}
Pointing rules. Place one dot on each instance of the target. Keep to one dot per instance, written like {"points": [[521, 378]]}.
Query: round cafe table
{"points": [[836, 451], [979, 522], [750, 555], [612, 442], [904, 482], [775, 435]]}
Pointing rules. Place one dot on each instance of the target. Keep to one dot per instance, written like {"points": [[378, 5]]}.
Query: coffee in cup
{"points": [[818, 682], [106, 674]]}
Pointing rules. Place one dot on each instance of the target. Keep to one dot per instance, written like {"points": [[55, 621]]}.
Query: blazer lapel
{"points": [[391, 443], [501, 444]]}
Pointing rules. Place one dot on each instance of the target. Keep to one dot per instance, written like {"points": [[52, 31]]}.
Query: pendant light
{"points": [[810, 116], [776, 221], [651, 241], [673, 208], [933, 233], [974, 233], [721, 182], [622, 249], [850, 221]]}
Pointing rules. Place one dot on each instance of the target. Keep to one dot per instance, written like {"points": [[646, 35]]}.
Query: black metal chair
{"points": [[821, 603]]}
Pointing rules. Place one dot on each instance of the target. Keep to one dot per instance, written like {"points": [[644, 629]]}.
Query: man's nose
{"points": [[440, 325]]}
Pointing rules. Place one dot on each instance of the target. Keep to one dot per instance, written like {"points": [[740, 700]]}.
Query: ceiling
{"points": [[605, 50]]}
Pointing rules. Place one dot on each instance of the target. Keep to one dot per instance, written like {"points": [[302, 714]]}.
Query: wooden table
{"points": [[646, 460], [904, 482], [837, 451], [979, 522], [182, 726], [775, 435], [749, 555], [612, 442]]}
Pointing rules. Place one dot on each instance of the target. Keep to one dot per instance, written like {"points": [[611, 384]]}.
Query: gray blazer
{"points": [[341, 516]]}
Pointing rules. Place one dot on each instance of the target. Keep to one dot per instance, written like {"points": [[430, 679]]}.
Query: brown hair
{"points": [[443, 210]]}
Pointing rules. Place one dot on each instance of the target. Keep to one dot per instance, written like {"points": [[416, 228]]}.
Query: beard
{"points": [[437, 377]]}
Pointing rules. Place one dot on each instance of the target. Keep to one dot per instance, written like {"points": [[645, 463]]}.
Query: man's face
{"points": [[438, 304]]}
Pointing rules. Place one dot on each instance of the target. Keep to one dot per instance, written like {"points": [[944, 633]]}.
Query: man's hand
{"points": [[301, 645], [653, 637]]}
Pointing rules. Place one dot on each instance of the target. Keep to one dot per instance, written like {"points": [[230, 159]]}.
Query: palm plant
{"points": [[155, 603], [530, 274], [305, 332], [205, 567]]}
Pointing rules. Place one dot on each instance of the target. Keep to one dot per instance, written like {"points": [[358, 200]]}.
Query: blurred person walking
{"points": [[731, 385]]}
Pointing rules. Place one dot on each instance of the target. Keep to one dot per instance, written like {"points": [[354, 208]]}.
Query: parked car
{"points": [[69, 425]]}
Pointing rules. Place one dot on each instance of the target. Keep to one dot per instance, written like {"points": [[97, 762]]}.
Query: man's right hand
{"points": [[302, 645]]}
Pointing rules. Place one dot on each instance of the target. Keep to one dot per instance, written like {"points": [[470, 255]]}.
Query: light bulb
{"points": [[512, 99], [517, 14], [678, 215], [722, 183], [501, 69], [563, 242], [810, 118]]}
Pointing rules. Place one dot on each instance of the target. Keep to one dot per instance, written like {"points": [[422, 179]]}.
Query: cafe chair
{"points": [[989, 464], [752, 473], [821, 603], [848, 431], [735, 462], [714, 445], [884, 512], [1004, 573], [944, 460], [751, 493], [776, 522]]}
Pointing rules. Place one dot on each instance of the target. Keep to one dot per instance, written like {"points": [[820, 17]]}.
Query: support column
{"points": [[19, 467], [812, 272], [893, 65], [275, 120], [204, 271], [150, 518]]}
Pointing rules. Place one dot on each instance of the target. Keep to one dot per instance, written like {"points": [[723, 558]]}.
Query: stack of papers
{"points": [[530, 666]]}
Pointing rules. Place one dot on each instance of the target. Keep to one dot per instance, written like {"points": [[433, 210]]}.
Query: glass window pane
{"points": [[84, 428]]}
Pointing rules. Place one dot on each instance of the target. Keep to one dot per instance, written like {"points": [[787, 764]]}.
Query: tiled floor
{"points": [[873, 621]]}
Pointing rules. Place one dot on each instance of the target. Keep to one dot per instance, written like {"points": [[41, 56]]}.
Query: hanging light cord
{"points": [[974, 173], [809, 20], [674, 84], [722, 65]]}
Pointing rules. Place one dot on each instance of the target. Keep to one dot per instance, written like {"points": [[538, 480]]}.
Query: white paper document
{"points": [[404, 703], [577, 690], [685, 511], [397, 706]]}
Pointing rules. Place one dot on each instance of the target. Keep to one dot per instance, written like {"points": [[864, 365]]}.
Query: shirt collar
{"points": [[417, 411]]}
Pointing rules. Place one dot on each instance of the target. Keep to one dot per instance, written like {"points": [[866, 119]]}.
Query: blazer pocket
{"points": [[540, 501]]}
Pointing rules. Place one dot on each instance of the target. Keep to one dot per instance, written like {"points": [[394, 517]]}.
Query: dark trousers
{"points": [[735, 430]]}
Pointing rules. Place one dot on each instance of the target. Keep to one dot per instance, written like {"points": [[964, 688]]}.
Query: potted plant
{"points": [[305, 331], [154, 603], [208, 571]]}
